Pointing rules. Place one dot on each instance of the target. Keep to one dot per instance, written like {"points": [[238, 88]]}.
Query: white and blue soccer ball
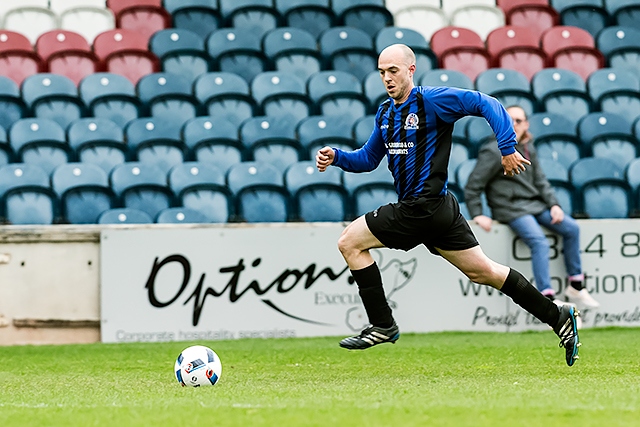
{"points": [[198, 366]]}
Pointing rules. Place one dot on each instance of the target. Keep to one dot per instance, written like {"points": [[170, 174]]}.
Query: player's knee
{"points": [[345, 245]]}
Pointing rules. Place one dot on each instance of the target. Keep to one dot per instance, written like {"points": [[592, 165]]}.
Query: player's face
{"points": [[397, 77], [520, 122]]}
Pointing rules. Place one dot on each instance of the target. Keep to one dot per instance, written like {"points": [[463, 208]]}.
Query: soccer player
{"points": [[413, 129]]}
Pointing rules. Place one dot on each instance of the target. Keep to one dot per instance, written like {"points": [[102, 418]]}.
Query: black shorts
{"points": [[435, 223]]}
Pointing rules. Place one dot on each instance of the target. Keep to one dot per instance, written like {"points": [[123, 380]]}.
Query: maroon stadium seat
{"points": [[516, 48], [17, 57], [460, 49], [572, 48], [143, 16], [125, 52], [537, 17], [67, 53]]}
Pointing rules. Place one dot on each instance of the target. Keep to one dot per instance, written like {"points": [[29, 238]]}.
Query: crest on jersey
{"points": [[411, 122]]}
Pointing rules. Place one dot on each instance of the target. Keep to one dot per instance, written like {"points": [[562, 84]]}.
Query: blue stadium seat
{"points": [[201, 16], [370, 190], [558, 176], [53, 96], [556, 138], [348, 49], [616, 91], [316, 196], [478, 133], [111, 96], [374, 91], [97, 141], [448, 78], [124, 216], [621, 47], [463, 171], [181, 215], [25, 195], [553, 169], [237, 51], [6, 152], [141, 186], [201, 187], [259, 191], [589, 15], [362, 129], [40, 142], [155, 141], [370, 16], [562, 92], [168, 97], [83, 190], [607, 199], [624, 12], [510, 87], [459, 154], [226, 96], [271, 140], [253, 16], [181, 51], [293, 50], [316, 132], [338, 93], [425, 58], [12, 107], [632, 174], [216, 142], [281, 94], [314, 16], [589, 169], [609, 136]]}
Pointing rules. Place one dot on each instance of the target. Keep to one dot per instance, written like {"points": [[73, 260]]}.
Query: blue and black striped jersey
{"points": [[416, 137]]}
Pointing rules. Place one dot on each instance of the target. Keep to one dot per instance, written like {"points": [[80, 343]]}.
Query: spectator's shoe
{"points": [[567, 330], [373, 335], [581, 298]]}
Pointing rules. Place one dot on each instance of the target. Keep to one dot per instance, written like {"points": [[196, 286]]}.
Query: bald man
{"points": [[413, 129]]}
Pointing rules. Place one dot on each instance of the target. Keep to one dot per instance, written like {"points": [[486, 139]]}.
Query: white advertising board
{"points": [[176, 284]]}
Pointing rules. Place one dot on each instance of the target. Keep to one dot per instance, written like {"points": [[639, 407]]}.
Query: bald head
{"points": [[398, 53]]}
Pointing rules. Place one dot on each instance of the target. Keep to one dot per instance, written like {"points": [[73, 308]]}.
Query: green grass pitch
{"points": [[442, 379]]}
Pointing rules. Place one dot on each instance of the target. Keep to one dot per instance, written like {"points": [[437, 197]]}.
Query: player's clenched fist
{"points": [[324, 158]]}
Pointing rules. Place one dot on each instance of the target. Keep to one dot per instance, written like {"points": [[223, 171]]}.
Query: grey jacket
{"points": [[509, 197]]}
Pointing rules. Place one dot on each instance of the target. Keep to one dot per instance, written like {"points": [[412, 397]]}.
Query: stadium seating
{"points": [[83, 190], [314, 16], [168, 97], [316, 196], [536, 15], [6, 153], [201, 187], [88, 21], [124, 216], [337, 93], [362, 129], [449, 78], [281, 94], [155, 141], [25, 195], [53, 96], [632, 177], [572, 48], [125, 52], [370, 190], [590, 15], [97, 141], [200, 16], [293, 50], [561, 91], [271, 140], [423, 16], [315, 132], [259, 192], [17, 57], [67, 53], [12, 107], [237, 52], [425, 58], [624, 12], [478, 132], [30, 20], [60, 6], [141, 186], [180, 215], [516, 48], [510, 87], [348, 49], [461, 49], [556, 138], [616, 91], [370, 16], [110, 96], [481, 18], [144, 16], [40, 142], [609, 136], [621, 47], [181, 51], [374, 90], [251, 16], [225, 95], [213, 141]]}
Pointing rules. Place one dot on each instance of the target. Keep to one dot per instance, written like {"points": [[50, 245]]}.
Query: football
{"points": [[198, 366]]}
